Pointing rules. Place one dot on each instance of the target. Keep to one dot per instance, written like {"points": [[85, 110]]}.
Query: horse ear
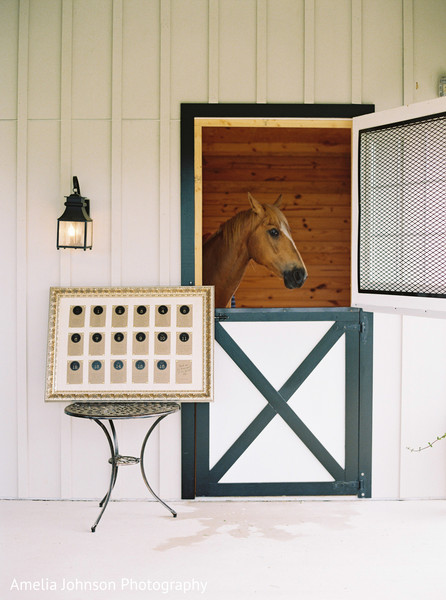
{"points": [[256, 206], [279, 201]]}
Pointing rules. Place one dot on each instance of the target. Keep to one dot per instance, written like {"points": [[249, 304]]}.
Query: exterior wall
{"points": [[93, 88]]}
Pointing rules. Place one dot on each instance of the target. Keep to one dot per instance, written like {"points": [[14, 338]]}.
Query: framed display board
{"points": [[130, 344]]}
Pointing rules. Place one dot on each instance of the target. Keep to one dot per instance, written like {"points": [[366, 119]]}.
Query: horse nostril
{"points": [[294, 278], [299, 276]]}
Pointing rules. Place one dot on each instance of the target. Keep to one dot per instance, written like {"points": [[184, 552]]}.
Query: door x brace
{"points": [[278, 401]]}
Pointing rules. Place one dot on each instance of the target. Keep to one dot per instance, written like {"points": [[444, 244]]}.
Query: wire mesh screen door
{"points": [[402, 208]]}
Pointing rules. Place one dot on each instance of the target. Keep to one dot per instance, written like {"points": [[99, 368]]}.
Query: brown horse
{"points": [[262, 234]]}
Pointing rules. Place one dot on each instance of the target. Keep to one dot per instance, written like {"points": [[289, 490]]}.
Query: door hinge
{"points": [[361, 486], [361, 327], [346, 487], [352, 487], [364, 330]]}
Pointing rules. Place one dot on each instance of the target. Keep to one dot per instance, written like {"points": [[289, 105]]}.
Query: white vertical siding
{"points": [[237, 51], [382, 53], [140, 59], [8, 306], [428, 41], [92, 59], [285, 55], [44, 56], [332, 51], [21, 226], [93, 88]]}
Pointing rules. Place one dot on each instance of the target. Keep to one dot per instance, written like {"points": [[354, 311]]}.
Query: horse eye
{"points": [[273, 233]]}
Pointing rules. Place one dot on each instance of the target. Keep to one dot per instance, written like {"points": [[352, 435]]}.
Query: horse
{"points": [[260, 233]]}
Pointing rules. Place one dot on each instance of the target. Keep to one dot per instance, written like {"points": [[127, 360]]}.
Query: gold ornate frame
{"points": [[187, 370]]}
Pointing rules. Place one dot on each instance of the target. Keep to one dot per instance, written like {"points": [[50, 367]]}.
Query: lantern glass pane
{"points": [[89, 234], [71, 234]]}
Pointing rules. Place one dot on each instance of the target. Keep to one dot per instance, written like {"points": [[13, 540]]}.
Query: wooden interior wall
{"points": [[311, 168]]}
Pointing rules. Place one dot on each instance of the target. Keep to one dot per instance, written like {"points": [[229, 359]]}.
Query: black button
{"points": [[74, 366], [140, 364], [75, 338], [96, 337], [184, 337], [119, 310], [118, 364], [118, 337], [77, 310], [140, 337], [141, 310], [162, 309], [96, 365], [184, 310], [161, 364], [98, 310], [162, 336]]}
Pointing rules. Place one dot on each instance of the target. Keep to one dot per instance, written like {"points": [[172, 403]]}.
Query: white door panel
{"points": [[432, 157]]}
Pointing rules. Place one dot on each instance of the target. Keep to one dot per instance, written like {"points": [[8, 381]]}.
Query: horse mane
{"points": [[232, 229]]}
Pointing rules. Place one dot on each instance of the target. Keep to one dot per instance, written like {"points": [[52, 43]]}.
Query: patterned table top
{"points": [[120, 410]]}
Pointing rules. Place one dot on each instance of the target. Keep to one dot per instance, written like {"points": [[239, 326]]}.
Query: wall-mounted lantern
{"points": [[74, 227]]}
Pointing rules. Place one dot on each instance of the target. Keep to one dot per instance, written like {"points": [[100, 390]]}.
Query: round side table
{"points": [[110, 411]]}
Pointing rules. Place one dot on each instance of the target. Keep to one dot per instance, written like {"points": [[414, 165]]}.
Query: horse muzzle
{"points": [[294, 278]]}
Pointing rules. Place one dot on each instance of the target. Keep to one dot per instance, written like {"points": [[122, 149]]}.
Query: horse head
{"points": [[271, 245]]}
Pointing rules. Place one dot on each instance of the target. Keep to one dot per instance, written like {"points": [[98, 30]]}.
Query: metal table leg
{"points": [[114, 472], [113, 461], [141, 462]]}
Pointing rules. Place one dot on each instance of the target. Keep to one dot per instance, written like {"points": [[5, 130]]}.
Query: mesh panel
{"points": [[402, 223]]}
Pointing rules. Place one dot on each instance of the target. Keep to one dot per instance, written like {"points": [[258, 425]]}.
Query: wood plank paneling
{"points": [[311, 168]]}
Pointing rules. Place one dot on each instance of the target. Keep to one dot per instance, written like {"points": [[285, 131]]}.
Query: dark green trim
{"points": [[351, 402], [187, 450], [202, 450], [316, 488], [288, 314], [366, 402]]}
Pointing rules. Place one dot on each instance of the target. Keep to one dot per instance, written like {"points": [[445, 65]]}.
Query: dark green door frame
{"points": [[189, 112]]}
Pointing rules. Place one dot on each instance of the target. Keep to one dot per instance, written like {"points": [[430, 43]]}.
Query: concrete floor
{"points": [[318, 550]]}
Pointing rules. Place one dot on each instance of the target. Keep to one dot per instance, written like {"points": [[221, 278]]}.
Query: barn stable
{"points": [[283, 423]]}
